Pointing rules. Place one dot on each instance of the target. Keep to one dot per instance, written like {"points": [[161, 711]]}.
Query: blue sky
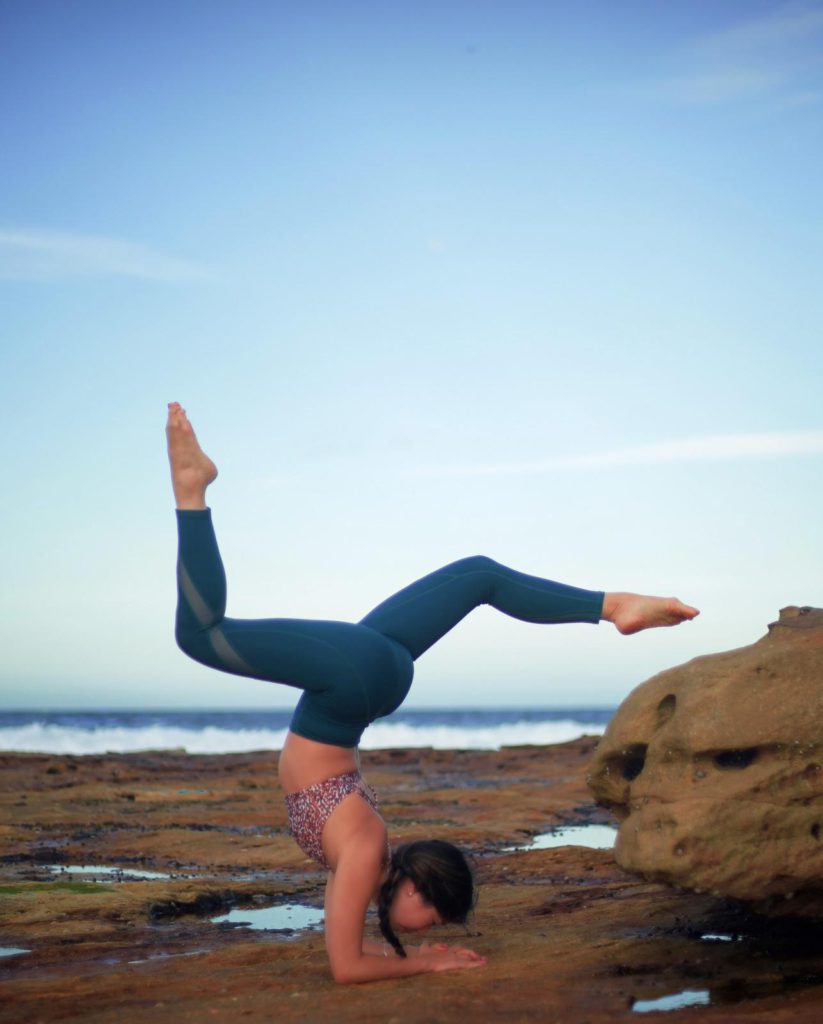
{"points": [[537, 280]]}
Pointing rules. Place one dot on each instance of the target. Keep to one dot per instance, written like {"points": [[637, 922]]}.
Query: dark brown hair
{"points": [[439, 872]]}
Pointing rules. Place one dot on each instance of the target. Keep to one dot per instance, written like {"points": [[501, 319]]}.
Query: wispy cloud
{"points": [[777, 55], [696, 449], [51, 255]]}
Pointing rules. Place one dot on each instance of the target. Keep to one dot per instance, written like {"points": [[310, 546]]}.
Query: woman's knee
{"points": [[189, 638], [474, 563], [183, 640]]}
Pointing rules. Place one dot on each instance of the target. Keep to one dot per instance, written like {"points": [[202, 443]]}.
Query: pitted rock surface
{"points": [[716, 770]]}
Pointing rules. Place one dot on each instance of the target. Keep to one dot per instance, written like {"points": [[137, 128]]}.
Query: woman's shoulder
{"points": [[355, 830]]}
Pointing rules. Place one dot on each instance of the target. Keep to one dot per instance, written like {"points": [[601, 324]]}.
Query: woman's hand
{"points": [[451, 958]]}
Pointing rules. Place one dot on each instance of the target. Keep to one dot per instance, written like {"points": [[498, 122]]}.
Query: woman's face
{"points": [[409, 912]]}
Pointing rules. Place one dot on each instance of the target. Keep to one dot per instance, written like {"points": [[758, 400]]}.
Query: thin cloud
{"points": [[776, 56], [51, 256], [786, 23], [696, 449]]}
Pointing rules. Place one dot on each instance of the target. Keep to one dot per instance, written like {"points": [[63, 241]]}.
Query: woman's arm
{"points": [[384, 949], [348, 893], [354, 841], [371, 948]]}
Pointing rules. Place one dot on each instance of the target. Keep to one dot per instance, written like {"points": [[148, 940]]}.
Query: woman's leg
{"points": [[310, 654], [349, 674], [421, 613], [361, 670], [201, 589]]}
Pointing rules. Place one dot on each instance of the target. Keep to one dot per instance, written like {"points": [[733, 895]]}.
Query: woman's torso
{"points": [[305, 762], [329, 812]]}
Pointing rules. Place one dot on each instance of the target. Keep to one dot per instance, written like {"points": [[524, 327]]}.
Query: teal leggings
{"points": [[350, 673]]}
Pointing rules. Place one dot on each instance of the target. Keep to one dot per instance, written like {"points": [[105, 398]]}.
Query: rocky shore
{"points": [[569, 935]]}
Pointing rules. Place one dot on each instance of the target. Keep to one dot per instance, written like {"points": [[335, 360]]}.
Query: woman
{"points": [[350, 675]]}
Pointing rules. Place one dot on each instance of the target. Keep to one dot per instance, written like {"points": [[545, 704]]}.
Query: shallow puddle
{"points": [[12, 951], [163, 956], [103, 872], [676, 1001], [594, 837], [295, 917]]}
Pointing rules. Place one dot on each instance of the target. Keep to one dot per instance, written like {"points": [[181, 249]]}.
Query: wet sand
{"points": [[569, 936]]}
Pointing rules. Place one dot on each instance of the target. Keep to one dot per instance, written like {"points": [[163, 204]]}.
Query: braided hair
{"points": [[439, 872]]}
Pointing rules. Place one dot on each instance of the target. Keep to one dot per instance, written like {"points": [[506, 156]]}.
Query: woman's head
{"points": [[428, 882]]}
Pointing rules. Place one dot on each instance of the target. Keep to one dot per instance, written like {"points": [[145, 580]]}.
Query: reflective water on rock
{"points": [[12, 951], [676, 1001], [163, 956], [594, 837], [103, 872], [285, 917]]}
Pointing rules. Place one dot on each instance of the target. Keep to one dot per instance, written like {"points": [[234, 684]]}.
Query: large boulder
{"points": [[716, 768]]}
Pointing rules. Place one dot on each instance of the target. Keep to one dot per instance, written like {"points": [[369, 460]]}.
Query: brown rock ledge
{"points": [[716, 768], [569, 936]]}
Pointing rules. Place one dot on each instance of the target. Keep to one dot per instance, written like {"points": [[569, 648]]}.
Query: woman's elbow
{"points": [[343, 975]]}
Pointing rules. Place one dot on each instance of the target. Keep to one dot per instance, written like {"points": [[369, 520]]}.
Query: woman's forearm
{"points": [[376, 966], [373, 948], [421, 960], [382, 948]]}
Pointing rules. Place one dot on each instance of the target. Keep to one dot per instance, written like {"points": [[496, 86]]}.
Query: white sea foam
{"points": [[489, 737], [47, 738], [42, 738]]}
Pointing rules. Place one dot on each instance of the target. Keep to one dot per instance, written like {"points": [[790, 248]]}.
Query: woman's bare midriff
{"points": [[304, 762]]}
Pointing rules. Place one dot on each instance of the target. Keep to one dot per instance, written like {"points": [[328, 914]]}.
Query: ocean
{"points": [[227, 731]]}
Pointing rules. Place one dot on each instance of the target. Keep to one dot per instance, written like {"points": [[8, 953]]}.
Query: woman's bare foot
{"points": [[632, 612], [191, 469]]}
